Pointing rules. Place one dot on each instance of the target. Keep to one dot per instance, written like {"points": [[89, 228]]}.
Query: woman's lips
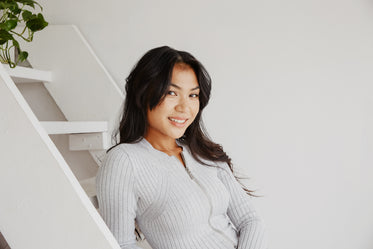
{"points": [[179, 122]]}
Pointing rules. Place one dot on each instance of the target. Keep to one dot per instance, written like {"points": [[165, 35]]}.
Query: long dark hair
{"points": [[147, 85]]}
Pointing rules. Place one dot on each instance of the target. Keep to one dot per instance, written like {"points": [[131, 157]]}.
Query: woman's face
{"points": [[171, 117]]}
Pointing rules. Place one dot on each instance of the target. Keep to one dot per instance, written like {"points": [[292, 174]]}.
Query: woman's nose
{"points": [[182, 105]]}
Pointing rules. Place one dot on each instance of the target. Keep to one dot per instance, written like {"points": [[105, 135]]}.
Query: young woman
{"points": [[165, 174]]}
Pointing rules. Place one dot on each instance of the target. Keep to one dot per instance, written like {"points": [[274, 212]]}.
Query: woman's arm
{"points": [[116, 196], [242, 213]]}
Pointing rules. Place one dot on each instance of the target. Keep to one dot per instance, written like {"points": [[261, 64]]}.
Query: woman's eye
{"points": [[172, 93], [194, 95]]}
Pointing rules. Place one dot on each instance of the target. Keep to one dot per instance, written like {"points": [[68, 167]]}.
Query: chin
{"points": [[177, 135]]}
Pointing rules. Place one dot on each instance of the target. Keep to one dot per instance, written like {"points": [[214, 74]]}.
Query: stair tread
{"points": [[89, 186], [29, 75]]}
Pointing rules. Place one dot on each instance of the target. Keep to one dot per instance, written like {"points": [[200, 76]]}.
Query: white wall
{"points": [[291, 100]]}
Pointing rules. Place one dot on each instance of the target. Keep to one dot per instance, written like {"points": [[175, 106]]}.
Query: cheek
{"points": [[195, 108], [154, 115]]}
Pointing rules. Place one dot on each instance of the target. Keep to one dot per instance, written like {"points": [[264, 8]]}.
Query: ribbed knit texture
{"points": [[206, 209]]}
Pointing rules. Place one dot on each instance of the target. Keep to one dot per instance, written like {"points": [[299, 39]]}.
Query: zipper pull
{"points": [[189, 173], [186, 168]]}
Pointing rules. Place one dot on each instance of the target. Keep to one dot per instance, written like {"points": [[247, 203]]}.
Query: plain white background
{"points": [[291, 102]]}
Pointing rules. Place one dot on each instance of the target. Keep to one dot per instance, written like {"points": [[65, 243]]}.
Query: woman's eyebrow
{"points": [[176, 86]]}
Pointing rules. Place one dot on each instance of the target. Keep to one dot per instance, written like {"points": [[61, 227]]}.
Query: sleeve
{"points": [[115, 184], [249, 226]]}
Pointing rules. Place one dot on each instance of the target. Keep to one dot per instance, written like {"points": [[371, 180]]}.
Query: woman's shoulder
{"points": [[128, 149], [123, 156], [136, 153]]}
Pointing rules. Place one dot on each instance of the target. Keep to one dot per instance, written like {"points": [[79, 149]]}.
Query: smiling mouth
{"points": [[178, 121]]}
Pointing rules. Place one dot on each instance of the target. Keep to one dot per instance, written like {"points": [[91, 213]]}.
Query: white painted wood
{"points": [[70, 127], [82, 87], [29, 75], [42, 203], [90, 141], [89, 186], [98, 156]]}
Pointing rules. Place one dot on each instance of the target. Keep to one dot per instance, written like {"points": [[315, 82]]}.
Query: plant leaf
{"points": [[5, 36], [10, 24], [36, 23], [3, 5], [11, 16], [26, 15], [28, 2], [15, 43], [13, 7], [11, 10], [22, 56]]}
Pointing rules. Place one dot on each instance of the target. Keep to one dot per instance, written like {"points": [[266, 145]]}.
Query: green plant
{"points": [[14, 12]]}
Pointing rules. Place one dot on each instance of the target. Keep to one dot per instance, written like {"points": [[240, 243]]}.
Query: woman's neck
{"points": [[167, 145]]}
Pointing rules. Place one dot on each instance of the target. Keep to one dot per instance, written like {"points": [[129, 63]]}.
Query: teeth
{"points": [[178, 120]]}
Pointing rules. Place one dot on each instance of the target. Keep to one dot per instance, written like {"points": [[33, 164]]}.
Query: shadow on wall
{"points": [[3, 243]]}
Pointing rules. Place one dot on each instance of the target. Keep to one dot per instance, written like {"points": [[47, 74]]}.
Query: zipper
{"points": [[208, 198], [186, 168]]}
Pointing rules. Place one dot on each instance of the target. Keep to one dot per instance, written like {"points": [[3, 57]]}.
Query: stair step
{"points": [[89, 141], [29, 75], [89, 186], [73, 127]]}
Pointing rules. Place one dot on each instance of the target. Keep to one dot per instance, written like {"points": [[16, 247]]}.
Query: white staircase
{"points": [[28, 75], [43, 204]]}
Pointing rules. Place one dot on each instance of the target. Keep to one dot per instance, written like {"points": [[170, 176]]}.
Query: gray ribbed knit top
{"points": [[176, 207]]}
